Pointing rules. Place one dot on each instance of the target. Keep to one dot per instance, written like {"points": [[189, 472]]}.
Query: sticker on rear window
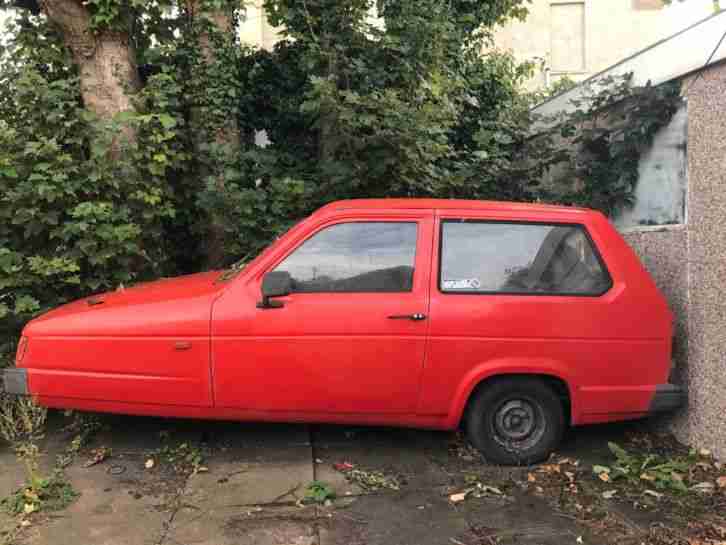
{"points": [[463, 284]]}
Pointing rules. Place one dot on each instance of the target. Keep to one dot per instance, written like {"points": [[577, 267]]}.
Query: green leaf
{"points": [[167, 121]]}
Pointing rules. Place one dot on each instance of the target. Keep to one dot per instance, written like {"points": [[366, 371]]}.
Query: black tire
{"points": [[515, 421]]}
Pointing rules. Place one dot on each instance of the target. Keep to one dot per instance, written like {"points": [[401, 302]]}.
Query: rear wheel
{"points": [[515, 421]]}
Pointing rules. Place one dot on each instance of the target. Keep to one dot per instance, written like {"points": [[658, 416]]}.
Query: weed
{"points": [[373, 480], [319, 492], [22, 424], [84, 426], [51, 494], [183, 458], [663, 473]]}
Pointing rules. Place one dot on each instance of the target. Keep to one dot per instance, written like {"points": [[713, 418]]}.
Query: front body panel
{"points": [[323, 352]]}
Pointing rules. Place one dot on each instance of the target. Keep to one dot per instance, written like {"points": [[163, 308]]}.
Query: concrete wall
{"points": [[254, 29], [610, 31], [688, 262], [705, 370]]}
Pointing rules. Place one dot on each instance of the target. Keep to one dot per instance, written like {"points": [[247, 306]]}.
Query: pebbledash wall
{"points": [[678, 224]]}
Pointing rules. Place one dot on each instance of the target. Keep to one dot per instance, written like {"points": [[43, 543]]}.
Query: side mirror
{"points": [[275, 284]]}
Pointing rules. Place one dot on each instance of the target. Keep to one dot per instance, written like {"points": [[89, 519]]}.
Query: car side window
{"points": [[355, 257], [519, 258]]}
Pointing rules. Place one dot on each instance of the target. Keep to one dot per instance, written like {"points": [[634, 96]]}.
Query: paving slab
{"points": [[236, 484], [416, 518], [410, 465], [12, 475], [520, 519], [225, 525], [108, 512]]}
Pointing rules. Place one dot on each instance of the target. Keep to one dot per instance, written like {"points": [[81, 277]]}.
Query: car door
{"points": [[350, 338]]}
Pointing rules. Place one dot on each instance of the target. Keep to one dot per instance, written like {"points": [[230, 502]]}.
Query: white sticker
{"points": [[463, 284]]}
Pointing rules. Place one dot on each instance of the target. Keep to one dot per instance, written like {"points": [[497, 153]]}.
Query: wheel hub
{"points": [[515, 420]]}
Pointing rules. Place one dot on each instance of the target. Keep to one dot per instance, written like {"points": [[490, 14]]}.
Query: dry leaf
{"points": [[570, 475], [531, 478], [704, 487], [609, 494], [29, 508], [704, 452], [721, 481], [653, 493], [647, 477], [604, 477], [149, 463], [490, 489], [456, 498]]}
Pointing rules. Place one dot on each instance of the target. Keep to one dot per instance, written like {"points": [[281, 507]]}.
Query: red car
{"points": [[512, 320]]}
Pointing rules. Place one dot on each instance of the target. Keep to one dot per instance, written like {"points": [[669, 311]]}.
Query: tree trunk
{"points": [[208, 129], [105, 59]]}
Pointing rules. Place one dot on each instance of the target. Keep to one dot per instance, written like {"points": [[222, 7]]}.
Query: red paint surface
{"points": [[195, 348]]}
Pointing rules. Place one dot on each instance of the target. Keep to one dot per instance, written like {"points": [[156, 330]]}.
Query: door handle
{"points": [[415, 317]]}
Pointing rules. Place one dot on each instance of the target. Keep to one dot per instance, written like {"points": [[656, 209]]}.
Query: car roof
{"points": [[451, 204]]}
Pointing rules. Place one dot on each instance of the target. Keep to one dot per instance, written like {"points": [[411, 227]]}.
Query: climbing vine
{"points": [[612, 124]]}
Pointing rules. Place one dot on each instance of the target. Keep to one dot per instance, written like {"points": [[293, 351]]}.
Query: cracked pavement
{"points": [[257, 473]]}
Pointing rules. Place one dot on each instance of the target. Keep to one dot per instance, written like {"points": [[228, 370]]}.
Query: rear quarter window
{"points": [[519, 258]]}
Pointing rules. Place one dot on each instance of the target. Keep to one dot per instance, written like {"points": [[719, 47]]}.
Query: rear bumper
{"points": [[15, 381], [668, 397]]}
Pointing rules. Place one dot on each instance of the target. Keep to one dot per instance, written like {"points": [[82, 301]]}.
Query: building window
{"points": [[567, 49], [647, 4]]}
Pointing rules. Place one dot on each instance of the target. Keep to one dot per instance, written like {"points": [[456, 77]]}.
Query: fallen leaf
{"points": [[721, 481], [29, 508], [677, 476], [149, 463], [704, 452], [99, 455], [604, 477], [609, 494], [653, 493], [24, 523], [202, 469], [490, 489], [647, 477], [704, 487], [600, 469], [579, 539], [531, 478], [343, 466], [570, 475], [456, 498], [564, 461]]}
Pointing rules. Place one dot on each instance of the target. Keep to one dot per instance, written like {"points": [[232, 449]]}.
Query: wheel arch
{"points": [[550, 374]]}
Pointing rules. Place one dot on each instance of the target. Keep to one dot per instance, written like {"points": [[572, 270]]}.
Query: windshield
{"points": [[238, 266]]}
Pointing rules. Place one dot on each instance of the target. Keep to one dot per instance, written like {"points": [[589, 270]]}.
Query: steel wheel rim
{"points": [[518, 423]]}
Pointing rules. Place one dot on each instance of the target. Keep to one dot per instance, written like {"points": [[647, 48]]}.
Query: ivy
{"points": [[76, 215], [612, 124]]}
